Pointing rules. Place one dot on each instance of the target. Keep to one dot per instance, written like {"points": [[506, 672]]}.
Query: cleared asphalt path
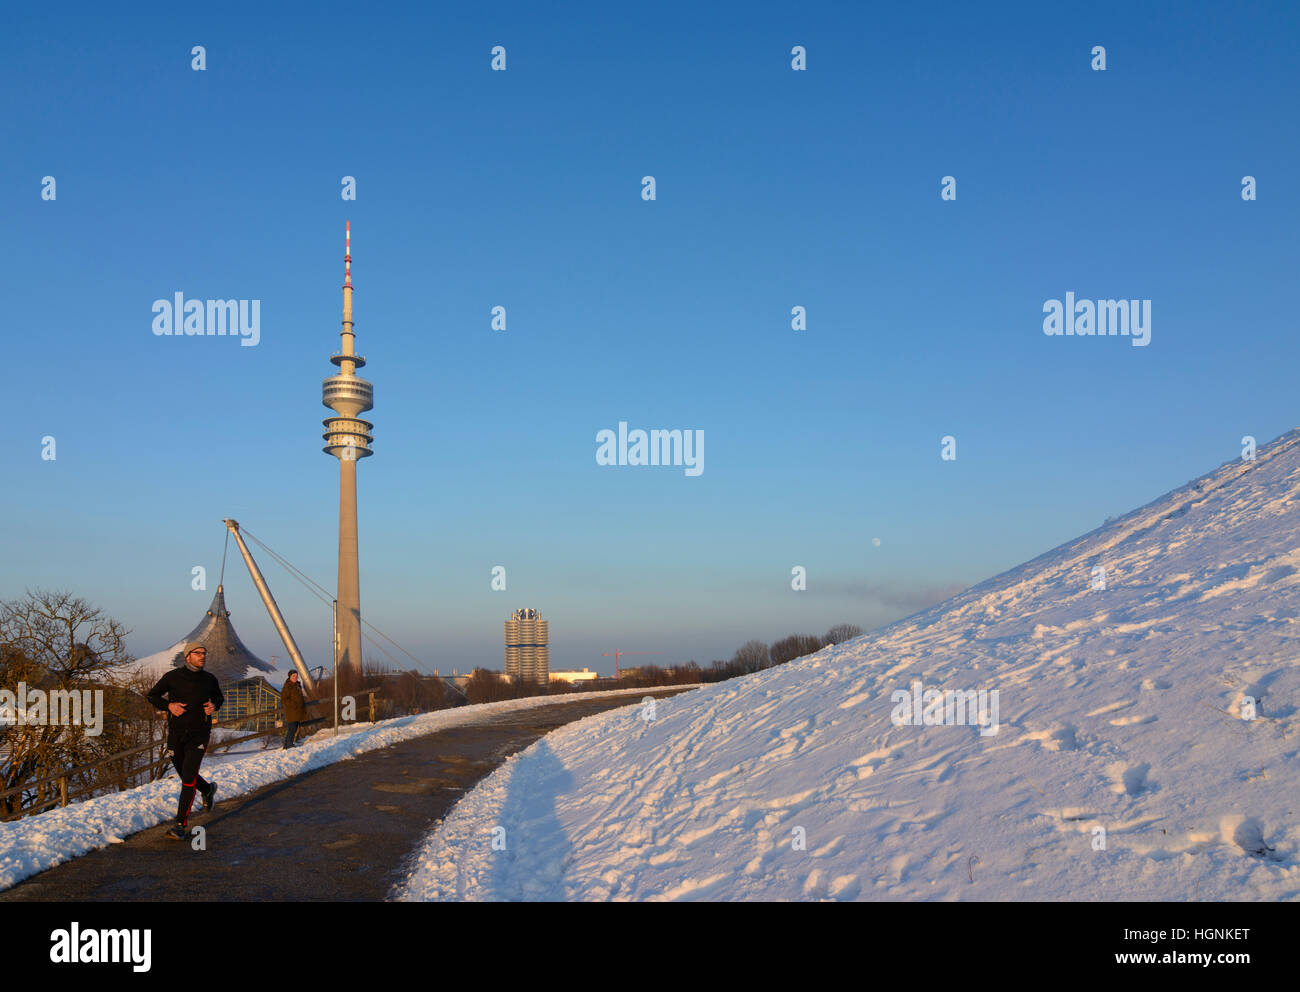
{"points": [[340, 833]]}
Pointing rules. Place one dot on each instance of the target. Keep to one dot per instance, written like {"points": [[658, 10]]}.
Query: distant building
{"points": [[528, 652], [583, 676]]}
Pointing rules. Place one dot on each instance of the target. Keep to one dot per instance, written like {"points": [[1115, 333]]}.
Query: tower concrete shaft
{"points": [[349, 587], [348, 438]]}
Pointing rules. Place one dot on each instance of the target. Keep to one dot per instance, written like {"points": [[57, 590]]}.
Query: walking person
{"points": [[190, 696], [295, 709]]}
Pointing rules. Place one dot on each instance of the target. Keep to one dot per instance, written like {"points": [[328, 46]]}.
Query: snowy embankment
{"points": [[35, 843], [1123, 766]]}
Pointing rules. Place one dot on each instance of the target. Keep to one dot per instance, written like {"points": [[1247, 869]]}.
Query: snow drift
{"points": [[1125, 764]]}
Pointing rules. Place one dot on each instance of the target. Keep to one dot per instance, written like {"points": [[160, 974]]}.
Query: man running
{"points": [[190, 696]]}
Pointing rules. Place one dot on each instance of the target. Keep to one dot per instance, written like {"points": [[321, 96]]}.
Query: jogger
{"points": [[190, 696]]}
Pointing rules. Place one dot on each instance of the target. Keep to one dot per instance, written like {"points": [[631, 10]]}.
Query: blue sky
{"points": [[522, 189]]}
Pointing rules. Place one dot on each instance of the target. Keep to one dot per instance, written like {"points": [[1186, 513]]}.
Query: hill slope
{"points": [[1119, 708]]}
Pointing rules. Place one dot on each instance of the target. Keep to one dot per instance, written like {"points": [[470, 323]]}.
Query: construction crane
{"points": [[618, 654]]}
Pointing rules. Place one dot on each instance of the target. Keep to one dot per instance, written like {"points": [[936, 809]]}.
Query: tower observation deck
{"points": [[346, 436]]}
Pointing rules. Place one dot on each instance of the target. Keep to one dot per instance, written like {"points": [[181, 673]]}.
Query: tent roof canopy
{"points": [[228, 658]]}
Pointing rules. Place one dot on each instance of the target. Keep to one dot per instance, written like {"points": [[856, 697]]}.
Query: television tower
{"points": [[347, 438]]}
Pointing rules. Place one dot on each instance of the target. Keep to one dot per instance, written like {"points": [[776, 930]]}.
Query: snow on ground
{"points": [[35, 843], [1119, 710]]}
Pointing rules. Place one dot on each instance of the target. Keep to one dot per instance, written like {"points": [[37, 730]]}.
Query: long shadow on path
{"points": [[531, 866]]}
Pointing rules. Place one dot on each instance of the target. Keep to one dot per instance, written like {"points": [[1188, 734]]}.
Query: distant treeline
{"points": [[486, 686]]}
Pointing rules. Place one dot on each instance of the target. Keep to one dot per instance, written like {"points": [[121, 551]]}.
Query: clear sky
{"points": [[775, 188]]}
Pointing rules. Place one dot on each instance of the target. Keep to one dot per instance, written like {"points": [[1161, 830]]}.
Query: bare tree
{"points": [[794, 646], [59, 645], [752, 656], [398, 692], [486, 686], [842, 632]]}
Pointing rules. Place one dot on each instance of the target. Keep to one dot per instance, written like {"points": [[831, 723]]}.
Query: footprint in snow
{"points": [[1249, 836], [1130, 779]]}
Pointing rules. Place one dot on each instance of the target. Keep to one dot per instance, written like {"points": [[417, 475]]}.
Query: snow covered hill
{"points": [[1123, 766]]}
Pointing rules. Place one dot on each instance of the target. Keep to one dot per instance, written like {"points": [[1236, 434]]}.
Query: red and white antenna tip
{"points": [[347, 257]]}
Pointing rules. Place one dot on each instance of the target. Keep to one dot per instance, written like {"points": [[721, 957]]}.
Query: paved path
{"points": [[340, 833]]}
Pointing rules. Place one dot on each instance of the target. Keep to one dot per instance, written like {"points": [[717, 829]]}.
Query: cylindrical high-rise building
{"points": [[348, 438], [528, 652]]}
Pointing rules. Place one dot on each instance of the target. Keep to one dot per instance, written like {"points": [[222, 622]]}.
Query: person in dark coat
{"points": [[190, 696], [295, 709]]}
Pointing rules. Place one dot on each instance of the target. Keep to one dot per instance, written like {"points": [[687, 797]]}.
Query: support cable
{"points": [[325, 596]]}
